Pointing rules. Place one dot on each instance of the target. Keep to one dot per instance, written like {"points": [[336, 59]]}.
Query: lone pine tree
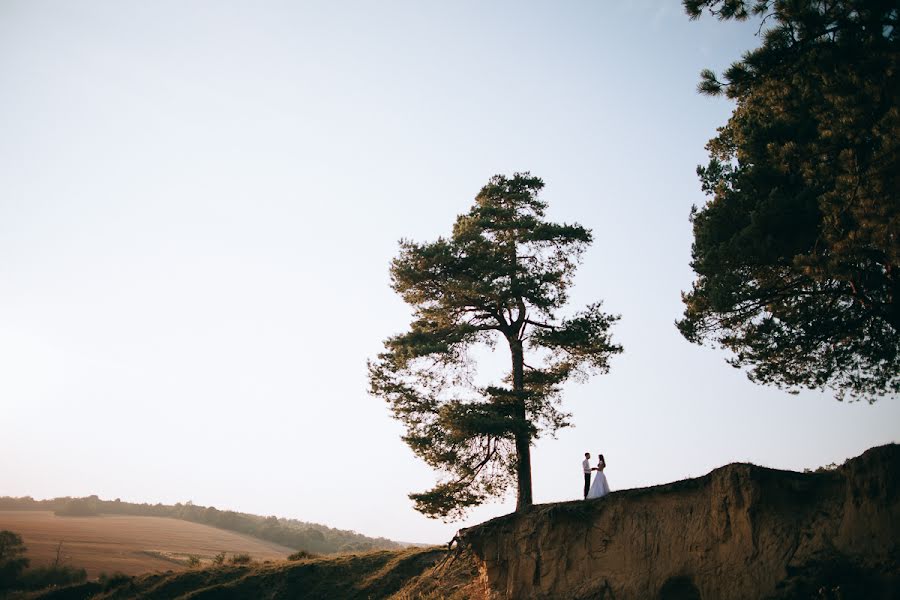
{"points": [[502, 276], [797, 253]]}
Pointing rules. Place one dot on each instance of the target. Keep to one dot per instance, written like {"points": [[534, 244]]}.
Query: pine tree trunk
{"points": [[523, 440]]}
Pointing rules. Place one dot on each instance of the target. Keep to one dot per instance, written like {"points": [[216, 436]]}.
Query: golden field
{"points": [[129, 544]]}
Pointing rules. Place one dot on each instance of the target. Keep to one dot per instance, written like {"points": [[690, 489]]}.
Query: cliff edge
{"points": [[740, 532]]}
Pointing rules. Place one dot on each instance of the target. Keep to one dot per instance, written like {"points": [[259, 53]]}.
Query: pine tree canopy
{"points": [[502, 275], [796, 253]]}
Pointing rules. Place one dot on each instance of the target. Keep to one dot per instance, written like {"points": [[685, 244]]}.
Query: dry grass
{"points": [[129, 544], [135, 545], [411, 574], [454, 577]]}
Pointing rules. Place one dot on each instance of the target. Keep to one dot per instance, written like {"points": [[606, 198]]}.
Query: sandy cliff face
{"points": [[740, 532]]}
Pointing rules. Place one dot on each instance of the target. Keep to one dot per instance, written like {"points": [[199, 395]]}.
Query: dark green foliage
{"points": [[503, 275], [113, 580], [12, 563], [80, 507], [292, 533], [37, 578], [726, 9], [14, 574], [797, 254]]}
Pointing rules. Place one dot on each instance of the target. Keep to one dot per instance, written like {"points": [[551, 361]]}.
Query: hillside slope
{"points": [[293, 533], [396, 575], [130, 545]]}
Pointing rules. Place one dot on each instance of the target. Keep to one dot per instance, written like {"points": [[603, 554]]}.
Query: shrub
{"points": [[192, 561], [241, 559], [219, 558], [11, 563], [117, 579], [41, 577], [301, 554]]}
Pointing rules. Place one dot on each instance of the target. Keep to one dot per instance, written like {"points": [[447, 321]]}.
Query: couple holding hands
{"points": [[600, 487]]}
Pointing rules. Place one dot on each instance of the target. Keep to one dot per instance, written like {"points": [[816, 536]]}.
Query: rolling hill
{"points": [[129, 544], [741, 531], [292, 533]]}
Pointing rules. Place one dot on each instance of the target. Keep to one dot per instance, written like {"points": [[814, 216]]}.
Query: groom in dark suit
{"points": [[586, 467]]}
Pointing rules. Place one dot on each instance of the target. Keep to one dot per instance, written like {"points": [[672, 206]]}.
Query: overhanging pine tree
{"points": [[502, 276], [797, 253]]}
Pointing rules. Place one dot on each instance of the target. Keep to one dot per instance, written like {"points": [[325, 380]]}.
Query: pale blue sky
{"points": [[199, 202]]}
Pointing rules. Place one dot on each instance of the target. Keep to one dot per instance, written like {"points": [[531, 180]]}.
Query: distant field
{"points": [[132, 545]]}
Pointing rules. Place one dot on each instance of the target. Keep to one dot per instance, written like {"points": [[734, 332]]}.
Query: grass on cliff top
{"points": [[416, 573]]}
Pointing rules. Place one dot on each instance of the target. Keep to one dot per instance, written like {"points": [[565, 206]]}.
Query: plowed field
{"points": [[128, 544]]}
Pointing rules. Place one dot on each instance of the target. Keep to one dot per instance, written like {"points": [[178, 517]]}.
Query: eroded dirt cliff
{"points": [[740, 532]]}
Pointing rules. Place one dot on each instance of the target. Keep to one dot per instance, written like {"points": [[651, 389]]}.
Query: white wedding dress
{"points": [[600, 487]]}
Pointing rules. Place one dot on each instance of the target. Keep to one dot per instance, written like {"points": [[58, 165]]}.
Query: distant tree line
{"points": [[298, 535]]}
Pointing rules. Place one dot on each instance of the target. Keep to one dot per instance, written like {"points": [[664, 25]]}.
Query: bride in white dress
{"points": [[600, 487]]}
